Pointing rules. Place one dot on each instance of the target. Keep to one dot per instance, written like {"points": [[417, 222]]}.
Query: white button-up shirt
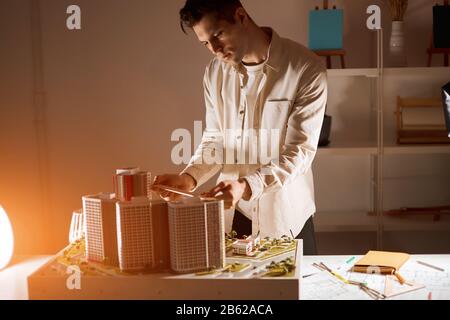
{"points": [[287, 118]]}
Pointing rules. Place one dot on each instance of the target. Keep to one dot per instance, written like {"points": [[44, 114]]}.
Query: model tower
{"points": [[196, 236], [100, 228], [135, 234], [161, 244], [131, 182]]}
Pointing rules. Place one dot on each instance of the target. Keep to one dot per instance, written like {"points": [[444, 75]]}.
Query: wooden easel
{"points": [[432, 50], [330, 53]]}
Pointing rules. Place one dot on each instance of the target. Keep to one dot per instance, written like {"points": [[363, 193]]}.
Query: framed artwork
{"points": [[326, 29], [441, 26]]}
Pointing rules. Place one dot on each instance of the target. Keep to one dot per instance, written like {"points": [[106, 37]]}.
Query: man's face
{"points": [[224, 39]]}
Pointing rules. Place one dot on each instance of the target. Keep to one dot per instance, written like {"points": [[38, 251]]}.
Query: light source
{"points": [[6, 239]]}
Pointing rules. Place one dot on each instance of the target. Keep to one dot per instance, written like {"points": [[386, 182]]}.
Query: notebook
{"points": [[382, 262]]}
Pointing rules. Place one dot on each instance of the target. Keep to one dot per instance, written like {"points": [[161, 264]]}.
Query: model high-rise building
{"points": [[100, 228], [196, 235], [135, 234], [131, 182], [161, 244], [131, 231], [77, 226]]}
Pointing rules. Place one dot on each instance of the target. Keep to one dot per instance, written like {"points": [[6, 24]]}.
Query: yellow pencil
{"points": [[339, 277]]}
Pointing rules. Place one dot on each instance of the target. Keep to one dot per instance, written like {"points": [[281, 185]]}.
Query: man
{"points": [[257, 82]]}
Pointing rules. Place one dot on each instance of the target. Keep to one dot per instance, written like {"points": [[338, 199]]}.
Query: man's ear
{"points": [[241, 16]]}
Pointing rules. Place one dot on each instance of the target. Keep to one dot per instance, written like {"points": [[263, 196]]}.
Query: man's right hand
{"points": [[183, 182]]}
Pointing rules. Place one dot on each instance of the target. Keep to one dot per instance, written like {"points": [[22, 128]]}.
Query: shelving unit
{"points": [[364, 169], [360, 221], [393, 149]]}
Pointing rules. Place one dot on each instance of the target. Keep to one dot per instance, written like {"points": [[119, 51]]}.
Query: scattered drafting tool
{"points": [[374, 294], [323, 267], [175, 190], [182, 192], [430, 266], [393, 288]]}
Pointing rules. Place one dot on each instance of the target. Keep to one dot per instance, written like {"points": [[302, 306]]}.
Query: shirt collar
{"points": [[272, 57]]}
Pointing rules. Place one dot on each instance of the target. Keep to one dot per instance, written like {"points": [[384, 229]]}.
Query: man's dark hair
{"points": [[194, 10]]}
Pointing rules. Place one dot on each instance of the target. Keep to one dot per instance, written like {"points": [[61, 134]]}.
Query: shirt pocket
{"points": [[275, 114]]}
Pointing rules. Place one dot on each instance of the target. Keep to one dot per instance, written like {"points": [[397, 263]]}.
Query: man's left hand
{"points": [[230, 192]]}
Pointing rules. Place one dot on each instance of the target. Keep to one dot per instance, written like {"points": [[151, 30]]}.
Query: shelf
{"points": [[347, 221], [416, 223], [348, 149], [370, 148], [367, 72], [353, 105], [422, 71], [393, 149], [373, 73]]}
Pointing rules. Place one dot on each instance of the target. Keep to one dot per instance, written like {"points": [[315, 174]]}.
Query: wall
{"points": [[19, 170], [115, 91]]}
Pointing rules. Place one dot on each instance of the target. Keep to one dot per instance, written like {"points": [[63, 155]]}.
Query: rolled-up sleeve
{"points": [[203, 165], [302, 136]]}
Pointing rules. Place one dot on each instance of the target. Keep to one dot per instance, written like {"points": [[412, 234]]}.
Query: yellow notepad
{"points": [[382, 262]]}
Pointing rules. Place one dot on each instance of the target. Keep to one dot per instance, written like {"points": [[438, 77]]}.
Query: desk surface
{"points": [[323, 286], [13, 280]]}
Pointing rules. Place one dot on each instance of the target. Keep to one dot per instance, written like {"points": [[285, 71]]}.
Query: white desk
{"points": [[13, 280], [319, 286]]}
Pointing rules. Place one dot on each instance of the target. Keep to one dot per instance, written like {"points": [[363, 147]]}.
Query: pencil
{"points": [[399, 278], [350, 260], [430, 266], [337, 275]]}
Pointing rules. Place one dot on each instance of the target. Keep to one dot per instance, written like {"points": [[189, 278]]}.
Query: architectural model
{"points": [[119, 229], [135, 234], [128, 230], [100, 228], [160, 222], [197, 235], [76, 226], [131, 182], [245, 246]]}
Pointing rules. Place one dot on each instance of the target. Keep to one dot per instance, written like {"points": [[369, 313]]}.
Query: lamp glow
{"points": [[6, 239]]}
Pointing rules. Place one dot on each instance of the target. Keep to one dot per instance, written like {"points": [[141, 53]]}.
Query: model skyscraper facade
{"points": [[100, 220], [197, 234], [135, 234]]}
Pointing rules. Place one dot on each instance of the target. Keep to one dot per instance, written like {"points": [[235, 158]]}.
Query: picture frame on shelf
{"points": [[440, 41], [325, 35]]}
